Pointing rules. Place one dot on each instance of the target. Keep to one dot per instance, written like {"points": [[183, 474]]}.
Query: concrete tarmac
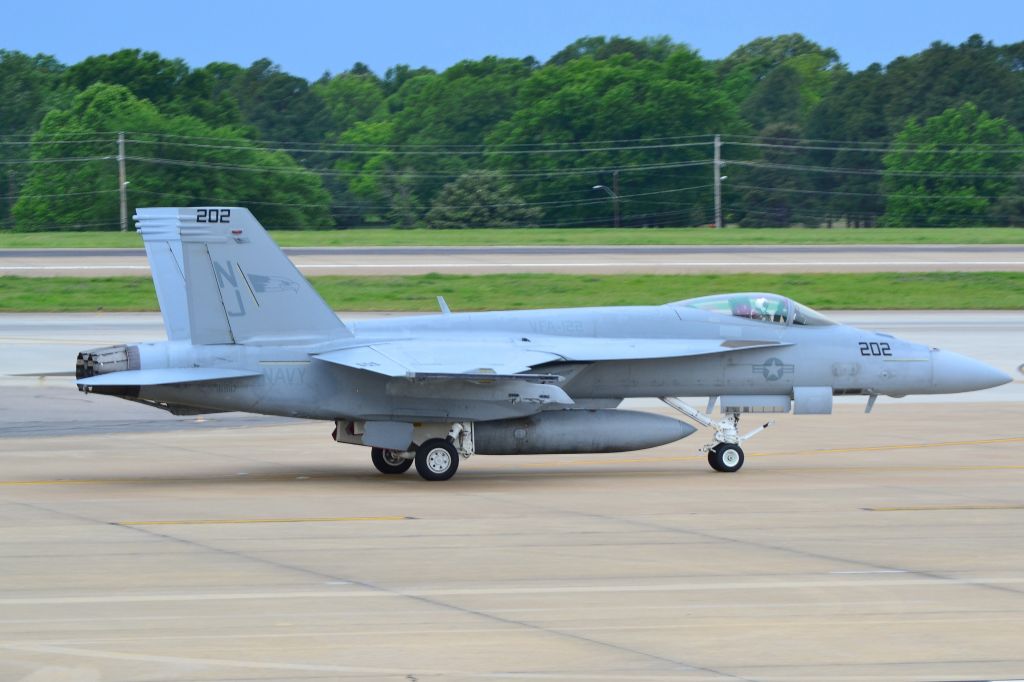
{"points": [[582, 259], [851, 547], [857, 547]]}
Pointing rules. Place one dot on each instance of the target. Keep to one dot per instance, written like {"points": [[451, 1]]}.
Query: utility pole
{"points": [[615, 196], [122, 182], [718, 181], [9, 202]]}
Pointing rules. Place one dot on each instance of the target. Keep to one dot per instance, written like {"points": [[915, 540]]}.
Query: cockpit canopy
{"points": [[770, 308]]}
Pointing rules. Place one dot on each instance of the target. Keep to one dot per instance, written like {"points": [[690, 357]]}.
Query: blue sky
{"points": [[308, 37]]}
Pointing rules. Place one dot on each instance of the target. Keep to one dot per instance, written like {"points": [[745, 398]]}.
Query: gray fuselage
{"points": [[846, 359]]}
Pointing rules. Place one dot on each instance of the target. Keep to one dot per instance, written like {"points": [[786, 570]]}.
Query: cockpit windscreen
{"points": [[770, 308]]}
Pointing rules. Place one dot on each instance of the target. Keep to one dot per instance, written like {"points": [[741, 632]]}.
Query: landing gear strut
{"points": [[724, 452]]}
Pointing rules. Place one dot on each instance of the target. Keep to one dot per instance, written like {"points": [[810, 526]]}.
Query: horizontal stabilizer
{"points": [[158, 377]]}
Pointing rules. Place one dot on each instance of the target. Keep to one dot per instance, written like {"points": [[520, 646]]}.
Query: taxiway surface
{"points": [[584, 259], [881, 546]]}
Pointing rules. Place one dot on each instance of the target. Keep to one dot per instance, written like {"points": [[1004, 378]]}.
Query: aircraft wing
{"points": [[490, 378], [443, 359], [156, 377], [493, 359]]}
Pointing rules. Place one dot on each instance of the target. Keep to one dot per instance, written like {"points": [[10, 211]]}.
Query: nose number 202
{"points": [[869, 348]]}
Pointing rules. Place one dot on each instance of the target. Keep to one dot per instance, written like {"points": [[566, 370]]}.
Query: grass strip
{"points": [[860, 291], [564, 236]]}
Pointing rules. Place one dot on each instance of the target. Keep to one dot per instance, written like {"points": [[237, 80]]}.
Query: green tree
{"points": [[772, 196], [953, 169], [397, 76], [555, 144], [852, 115], [752, 63], [372, 185], [776, 99], [600, 47], [29, 87], [427, 133], [79, 191], [934, 80], [167, 83], [480, 199], [282, 107], [350, 97]]}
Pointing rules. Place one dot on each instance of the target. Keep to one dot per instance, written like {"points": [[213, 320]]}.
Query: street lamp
{"points": [[613, 194]]}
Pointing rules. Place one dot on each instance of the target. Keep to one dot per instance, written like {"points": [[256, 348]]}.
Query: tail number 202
{"points": [[213, 215]]}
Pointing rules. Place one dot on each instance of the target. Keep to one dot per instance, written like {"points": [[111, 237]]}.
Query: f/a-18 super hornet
{"points": [[246, 332]]}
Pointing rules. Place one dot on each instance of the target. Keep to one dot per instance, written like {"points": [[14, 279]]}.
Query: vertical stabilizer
{"points": [[239, 286], [159, 230]]}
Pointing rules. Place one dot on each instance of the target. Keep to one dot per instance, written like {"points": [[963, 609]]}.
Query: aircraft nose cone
{"points": [[955, 373]]}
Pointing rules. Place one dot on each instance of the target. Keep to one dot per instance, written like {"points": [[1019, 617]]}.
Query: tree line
{"points": [[931, 139]]}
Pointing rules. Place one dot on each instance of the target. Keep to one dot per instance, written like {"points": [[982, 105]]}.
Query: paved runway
{"points": [[852, 547], [584, 259]]}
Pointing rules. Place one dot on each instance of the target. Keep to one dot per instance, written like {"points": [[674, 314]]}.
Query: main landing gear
{"points": [[390, 461], [724, 452], [436, 459]]}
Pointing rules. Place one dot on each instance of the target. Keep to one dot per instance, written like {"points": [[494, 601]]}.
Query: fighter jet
{"points": [[246, 332]]}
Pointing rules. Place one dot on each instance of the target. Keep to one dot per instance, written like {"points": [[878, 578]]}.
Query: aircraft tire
{"points": [[437, 460], [387, 462], [726, 458]]}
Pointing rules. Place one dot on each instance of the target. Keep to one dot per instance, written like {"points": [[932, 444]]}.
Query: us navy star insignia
{"points": [[773, 369]]}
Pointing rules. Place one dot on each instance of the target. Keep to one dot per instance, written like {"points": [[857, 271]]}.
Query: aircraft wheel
{"points": [[726, 457], [437, 460], [389, 461]]}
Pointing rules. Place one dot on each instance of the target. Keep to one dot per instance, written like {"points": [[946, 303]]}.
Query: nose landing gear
{"points": [[725, 457], [724, 452]]}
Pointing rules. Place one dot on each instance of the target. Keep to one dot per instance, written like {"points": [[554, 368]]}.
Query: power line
{"points": [[55, 159], [873, 171], [873, 194], [373, 150], [60, 194], [806, 141], [28, 143], [898, 149], [325, 144], [300, 170]]}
